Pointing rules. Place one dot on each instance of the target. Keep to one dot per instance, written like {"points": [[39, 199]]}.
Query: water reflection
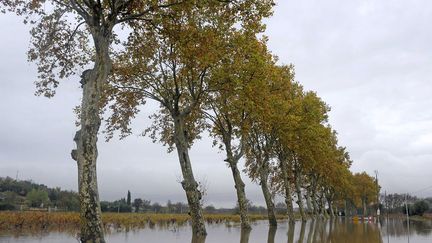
{"points": [[291, 229], [198, 239], [244, 235], [271, 234], [313, 231]]}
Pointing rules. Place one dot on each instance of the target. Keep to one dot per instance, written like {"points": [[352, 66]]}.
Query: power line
{"points": [[424, 189]]}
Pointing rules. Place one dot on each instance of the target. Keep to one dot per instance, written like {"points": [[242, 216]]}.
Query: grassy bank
{"points": [[45, 220]]}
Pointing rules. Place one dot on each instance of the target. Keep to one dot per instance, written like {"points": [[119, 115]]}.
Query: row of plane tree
{"points": [[207, 65]]}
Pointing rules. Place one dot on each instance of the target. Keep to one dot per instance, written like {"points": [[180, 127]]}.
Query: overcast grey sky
{"points": [[370, 60]]}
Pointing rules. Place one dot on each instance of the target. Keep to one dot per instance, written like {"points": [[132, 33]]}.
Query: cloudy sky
{"points": [[370, 60]]}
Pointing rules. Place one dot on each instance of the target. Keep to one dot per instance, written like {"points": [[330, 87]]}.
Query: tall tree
{"points": [[229, 104], [174, 69], [128, 198], [67, 37], [365, 190]]}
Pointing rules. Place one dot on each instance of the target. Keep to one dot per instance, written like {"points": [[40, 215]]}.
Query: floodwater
{"points": [[331, 231]]}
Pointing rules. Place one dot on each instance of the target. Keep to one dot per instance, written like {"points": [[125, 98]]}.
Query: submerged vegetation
{"points": [[71, 220]]}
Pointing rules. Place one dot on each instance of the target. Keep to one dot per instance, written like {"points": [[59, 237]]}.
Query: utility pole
{"points": [[407, 214]]}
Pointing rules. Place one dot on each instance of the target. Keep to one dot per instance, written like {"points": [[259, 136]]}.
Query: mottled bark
{"points": [[308, 202], [313, 195], [298, 182], [287, 188], [189, 183], [267, 196], [330, 205], [86, 141], [314, 205], [323, 206], [241, 196], [239, 185]]}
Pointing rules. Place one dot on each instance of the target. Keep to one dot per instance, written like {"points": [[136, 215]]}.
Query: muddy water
{"points": [[334, 231]]}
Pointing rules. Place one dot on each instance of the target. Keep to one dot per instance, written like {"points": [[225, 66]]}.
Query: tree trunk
{"points": [[298, 182], [314, 197], [330, 205], [308, 203], [189, 184], [241, 196], [315, 205], [323, 207], [239, 186], [286, 183], [346, 209], [267, 196], [86, 141], [364, 208]]}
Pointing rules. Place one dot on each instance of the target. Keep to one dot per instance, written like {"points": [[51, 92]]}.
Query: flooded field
{"points": [[335, 231]]}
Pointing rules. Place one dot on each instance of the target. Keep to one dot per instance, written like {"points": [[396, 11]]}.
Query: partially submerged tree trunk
{"points": [[364, 208], [323, 206], [286, 185], [313, 195], [330, 205], [308, 202], [263, 174], [239, 185], [189, 183], [86, 140], [346, 208], [298, 182]]}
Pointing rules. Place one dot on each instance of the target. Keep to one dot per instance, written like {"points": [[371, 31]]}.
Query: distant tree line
{"points": [[24, 194], [396, 203]]}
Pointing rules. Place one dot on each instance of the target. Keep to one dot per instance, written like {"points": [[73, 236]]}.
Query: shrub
{"points": [[421, 207]]}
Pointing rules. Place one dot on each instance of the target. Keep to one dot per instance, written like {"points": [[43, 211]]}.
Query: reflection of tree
{"points": [[302, 232], [244, 237], [397, 228], [421, 228], [271, 234], [198, 238], [310, 231], [343, 231], [291, 229]]}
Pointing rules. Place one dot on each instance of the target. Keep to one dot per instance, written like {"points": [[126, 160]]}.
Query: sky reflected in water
{"points": [[334, 231]]}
